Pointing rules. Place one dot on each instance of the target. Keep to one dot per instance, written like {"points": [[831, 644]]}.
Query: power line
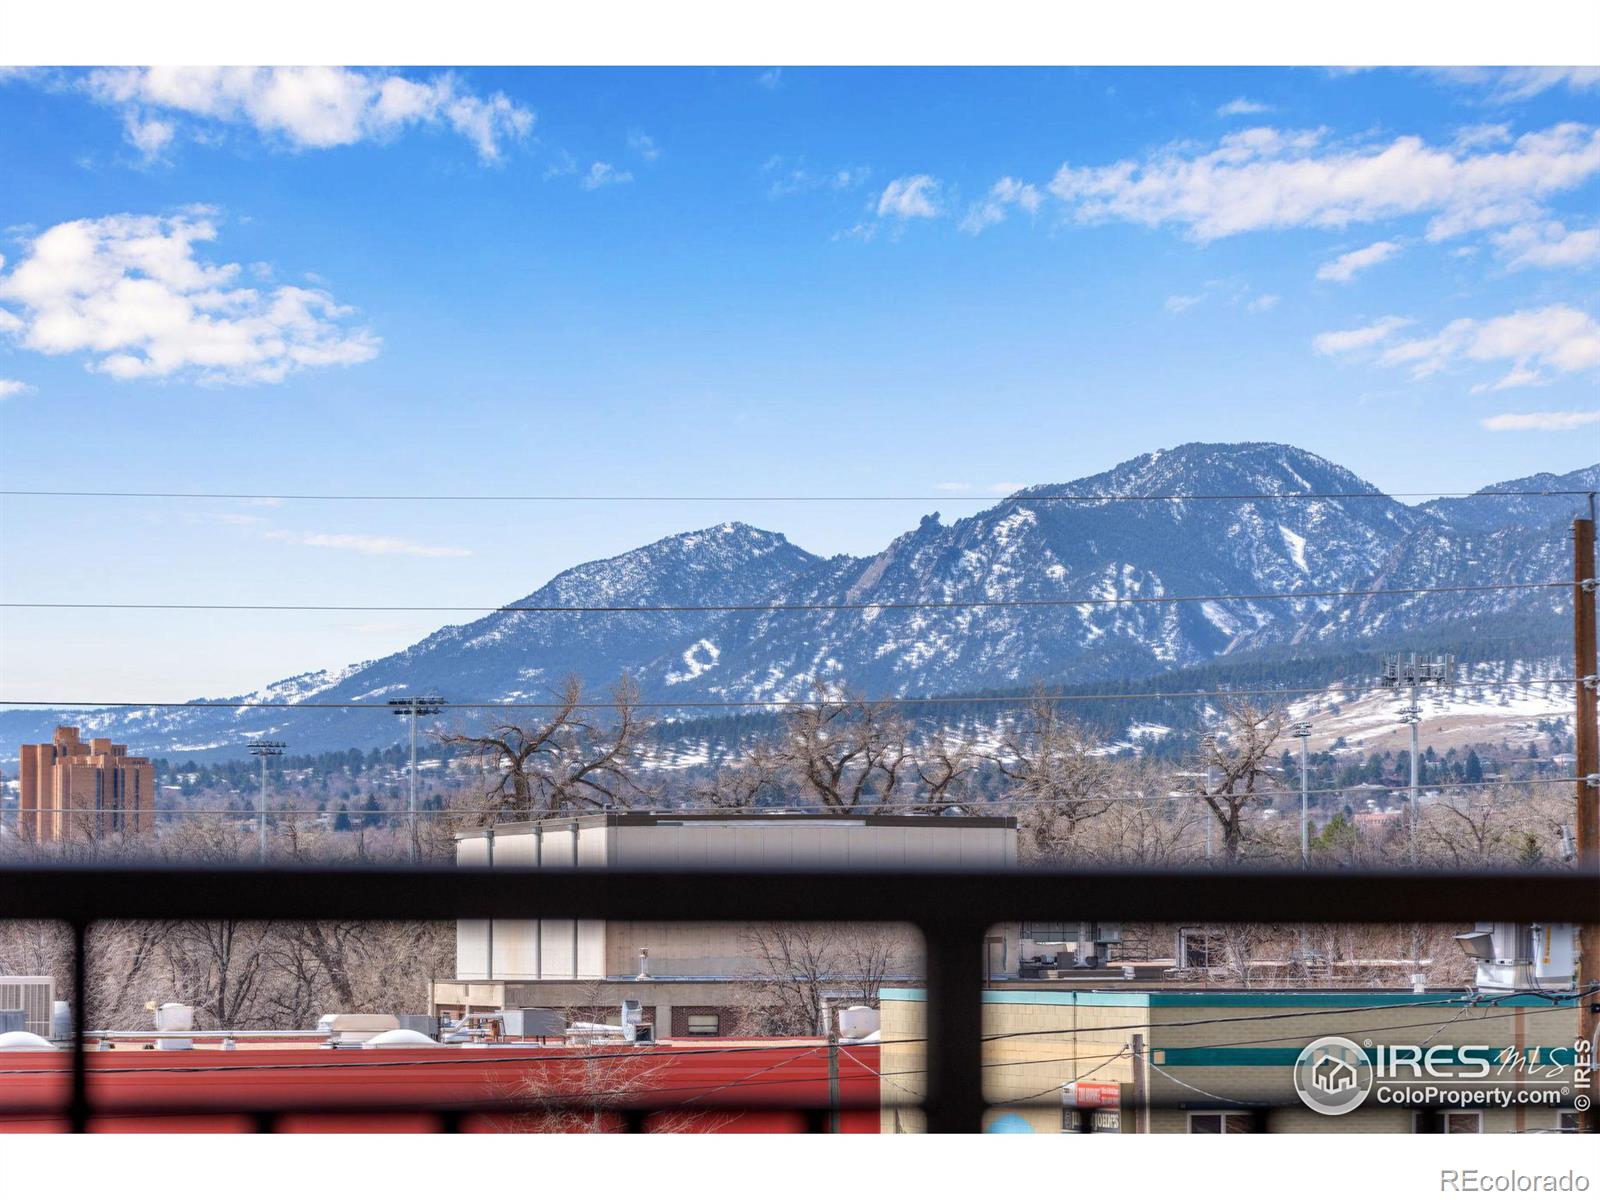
{"points": [[1335, 689], [946, 498], [803, 606]]}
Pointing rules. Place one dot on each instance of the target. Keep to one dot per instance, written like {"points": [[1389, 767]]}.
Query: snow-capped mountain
{"points": [[1046, 543]]}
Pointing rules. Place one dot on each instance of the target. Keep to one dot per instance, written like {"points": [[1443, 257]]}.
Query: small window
{"points": [[1567, 1121], [1463, 1122], [1220, 1123], [704, 1024], [1199, 948]]}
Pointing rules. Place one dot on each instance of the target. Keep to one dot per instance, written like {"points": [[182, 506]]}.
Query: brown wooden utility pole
{"points": [[1587, 829]]}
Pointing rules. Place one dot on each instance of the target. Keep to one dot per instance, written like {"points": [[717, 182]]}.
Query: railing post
{"points": [[955, 1102], [78, 1102]]}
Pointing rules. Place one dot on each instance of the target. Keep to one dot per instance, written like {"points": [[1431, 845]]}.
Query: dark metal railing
{"points": [[953, 910]]}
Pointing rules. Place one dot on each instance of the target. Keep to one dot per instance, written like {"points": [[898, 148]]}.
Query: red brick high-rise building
{"points": [[75, 789]]}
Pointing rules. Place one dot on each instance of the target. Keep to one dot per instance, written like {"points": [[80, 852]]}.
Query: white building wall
{"points": [[587, 949]]}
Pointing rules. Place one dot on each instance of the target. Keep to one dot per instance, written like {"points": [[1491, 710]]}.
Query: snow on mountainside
{"points": [[1026, 548]]}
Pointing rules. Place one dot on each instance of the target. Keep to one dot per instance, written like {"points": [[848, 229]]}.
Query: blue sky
{"points": [[728, 281]]}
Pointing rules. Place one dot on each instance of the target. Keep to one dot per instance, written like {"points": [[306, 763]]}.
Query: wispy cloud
{"points": [[903, 200], [1347, 266], [1507, 85], [603, 174], [304, 107], [1005, 195], [911, 197], [1363, 337], [364, 543], [1265, 178], [1548, 244], [1230, 293], [644, 145], [1542, 422], [132, 295], [770, 79], [13, 387], [1239, 106], [1539, 344], [791, 176]]}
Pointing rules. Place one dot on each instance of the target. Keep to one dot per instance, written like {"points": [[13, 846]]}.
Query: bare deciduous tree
{"points": [[842, 752], [945, 764], [742, 785], [1234, 768], [803, 970], [570, 762], [1055, 776]]}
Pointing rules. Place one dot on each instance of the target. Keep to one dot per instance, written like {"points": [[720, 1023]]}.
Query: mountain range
{"points": [[1126, 533]]}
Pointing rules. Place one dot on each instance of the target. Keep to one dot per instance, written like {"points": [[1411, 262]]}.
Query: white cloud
{"points": [[770, 79], [13, 387], [1263, 303], [1510, 84], [603, 174], [1547, 244], [1239, 106], [1005, 194], [1347, 266], [363, 543], [1179, 304], [1346, 341], [1267, 178], [307, 107], [910, 196], [644, 146], [129, 292], [1538, 343], [1544, 422]]}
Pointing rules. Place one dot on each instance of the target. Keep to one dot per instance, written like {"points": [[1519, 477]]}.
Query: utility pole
{"points": [[1302, 730], [1586, 737], [1210, 743], [264, 751], [414, 707], [833, 1077]]}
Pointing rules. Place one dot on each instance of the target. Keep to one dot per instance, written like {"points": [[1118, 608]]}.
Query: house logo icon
{"points": [[1332, 1076]]}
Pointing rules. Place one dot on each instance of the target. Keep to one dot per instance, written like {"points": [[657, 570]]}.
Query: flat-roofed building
{"points": [[77, 789], [691, 977], [1058, 1058]]}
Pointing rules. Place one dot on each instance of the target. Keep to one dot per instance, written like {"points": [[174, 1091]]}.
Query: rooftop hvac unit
{"points": [[13, 1019], [532, 1022], [173, 1018], [34, 995], [1513, 957]]}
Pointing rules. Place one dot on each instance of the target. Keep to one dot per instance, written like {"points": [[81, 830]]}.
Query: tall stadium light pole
{"points": [[1302, 730], [1210, 743], [414, 707], [1410, 672], [264, 751]]}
